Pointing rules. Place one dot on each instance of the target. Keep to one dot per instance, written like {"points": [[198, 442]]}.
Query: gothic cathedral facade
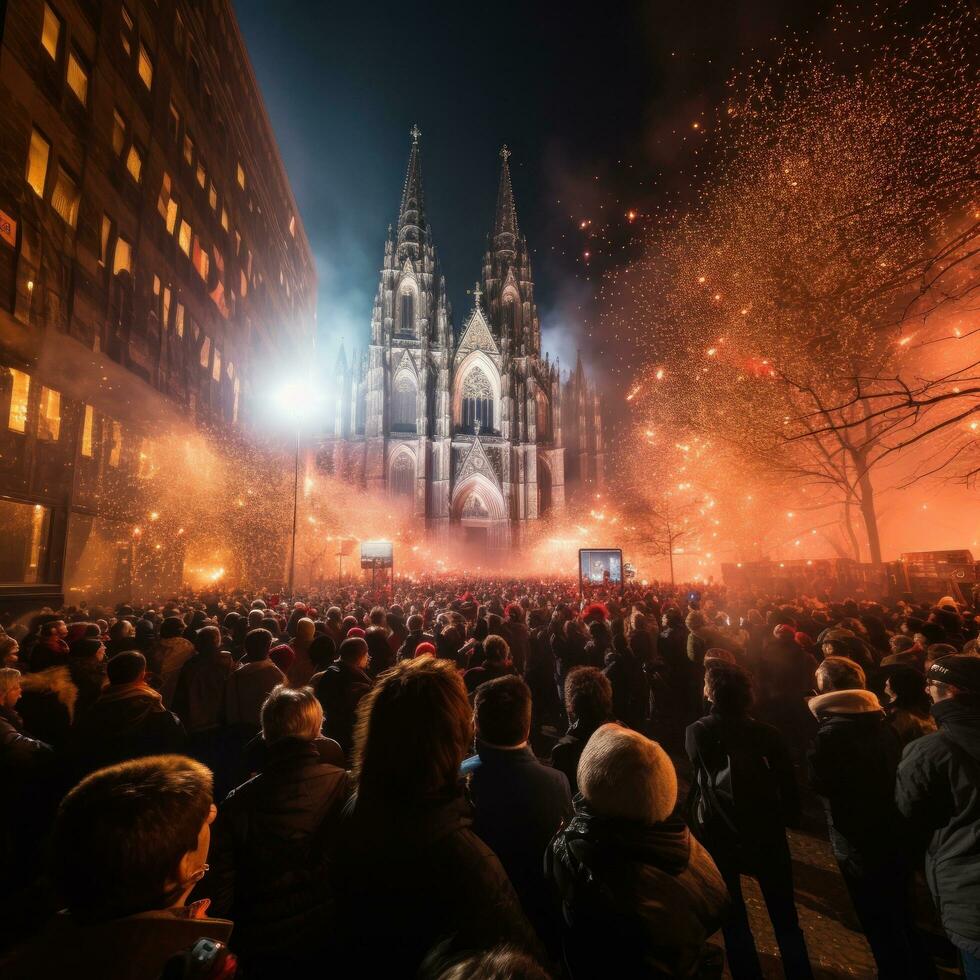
{"points": [[472, 431]]}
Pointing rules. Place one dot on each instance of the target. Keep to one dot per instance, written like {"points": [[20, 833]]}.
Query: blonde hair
{"points": [[622, 774], [9, 678], [291, 712]]}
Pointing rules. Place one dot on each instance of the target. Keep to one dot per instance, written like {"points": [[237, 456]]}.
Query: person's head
{"points": [[623, 775], [695, 620], [502, 712], [291, 712], [255, 617], [87, 648], [257, 644], [134, 837], [936, 650], [900, 642], [9, 648], [588, 695], [323, 651], [334, 615], [728, 687], [905, 686], [954, 676], [377, 616], [425, 650], [305, 630], [413, 730], [500, 963], [415, 623], [496, 649], [9, 687], [171, 627], [122, 629], [354, 652], [208, 639], [839, 674], [128, 667]]}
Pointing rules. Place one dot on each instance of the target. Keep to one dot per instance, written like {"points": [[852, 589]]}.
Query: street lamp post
{"points": [[292, 550]]}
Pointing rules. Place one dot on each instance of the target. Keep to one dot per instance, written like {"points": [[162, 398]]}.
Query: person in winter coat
{"points": [[199, 697], [87, 668], [169, 655], [497, 663], [416, 635], [743, 797], [852, 766], [249, 685], [589, 704], [302, 668], [18, 751], [127, 722], [408, 868], [639, 895], [340, 689], [629, 682], [50, 650], [268, 847], [515, 632], [938, 792], [130, 844], [519, 803]]}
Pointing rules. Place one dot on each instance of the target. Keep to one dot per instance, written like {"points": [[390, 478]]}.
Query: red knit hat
{"points": [[425, 648], [355, 631]]}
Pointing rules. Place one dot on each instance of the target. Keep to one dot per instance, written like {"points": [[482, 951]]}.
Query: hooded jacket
{"points": [[638, 900], [128, 721], [938, 791]]}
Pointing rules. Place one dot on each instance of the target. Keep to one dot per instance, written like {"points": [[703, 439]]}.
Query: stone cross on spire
{"points": [[415, 132], [505, 217], [476, 292], [504, 153]]}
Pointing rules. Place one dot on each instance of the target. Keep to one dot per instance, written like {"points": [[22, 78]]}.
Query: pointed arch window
{"points": [[406, 313], [510, 316], [403, 477], [404, 404], [477, 403]]}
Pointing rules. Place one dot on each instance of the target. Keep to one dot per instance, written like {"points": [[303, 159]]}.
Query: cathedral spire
{"points": [[412, 224], [505, 230]]}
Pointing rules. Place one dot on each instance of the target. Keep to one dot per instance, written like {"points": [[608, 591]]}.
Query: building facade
{"points": [[472, 430], [150, 252]]}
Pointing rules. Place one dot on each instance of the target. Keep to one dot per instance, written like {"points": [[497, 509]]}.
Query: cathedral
{"points": [[470, 429]]}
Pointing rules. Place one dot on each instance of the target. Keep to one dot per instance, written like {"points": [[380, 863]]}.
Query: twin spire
{"points": [[412, 223]]}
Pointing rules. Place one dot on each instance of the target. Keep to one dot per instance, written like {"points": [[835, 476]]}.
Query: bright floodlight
{"points": [[296, 400]]}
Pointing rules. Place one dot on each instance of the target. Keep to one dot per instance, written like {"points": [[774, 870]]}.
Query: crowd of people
{"points": [[479, 778]]}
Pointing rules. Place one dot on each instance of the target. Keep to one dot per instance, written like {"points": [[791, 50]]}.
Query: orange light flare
{"points": [[636, 389]]}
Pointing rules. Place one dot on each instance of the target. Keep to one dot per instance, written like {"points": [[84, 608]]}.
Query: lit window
{"points": [[238, 243], [241, 177], [216, 366], [118, 132], [156, 285], [65, 197], [37, 162], [179, 319], [243, 284], [134, 163], [146, 67], [202, 176], [78, 78], [126, 31], [200, 259], [205, 352], [104, 239], [292, 225], [20, 393], [115, 450], [224, 218], [213, 197], [88, 424], [184, 238], [51, 32], [188, 149], [123, 259], [49, 415], [165, 307]]}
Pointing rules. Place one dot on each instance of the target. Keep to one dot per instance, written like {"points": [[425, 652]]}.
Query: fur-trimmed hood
{"points": [[56, 681]]}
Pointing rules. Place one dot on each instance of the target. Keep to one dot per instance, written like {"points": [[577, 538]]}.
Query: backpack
{"points": [[735, 789]]}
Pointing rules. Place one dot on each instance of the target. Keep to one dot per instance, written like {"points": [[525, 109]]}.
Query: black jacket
{"points": [[127, 722], [760, 818], [638, 900], [339, 690], [852, 766], [519, 805], [567, 751], [200, 694], [938, 790], [407, 650], [268, 852], [629, 685], [413, 878], [19, 752]]}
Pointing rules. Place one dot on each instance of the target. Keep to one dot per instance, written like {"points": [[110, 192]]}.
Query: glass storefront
{"points": [[25, 531]]}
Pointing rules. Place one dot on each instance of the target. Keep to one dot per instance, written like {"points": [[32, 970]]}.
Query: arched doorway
{"points": [[544, 488], [478, 509]]}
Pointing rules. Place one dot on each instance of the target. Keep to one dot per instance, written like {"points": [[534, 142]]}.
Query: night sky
{"points": [[595, 101]]}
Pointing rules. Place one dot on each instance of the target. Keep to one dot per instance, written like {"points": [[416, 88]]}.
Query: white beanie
{"points": [[622, 774]]}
